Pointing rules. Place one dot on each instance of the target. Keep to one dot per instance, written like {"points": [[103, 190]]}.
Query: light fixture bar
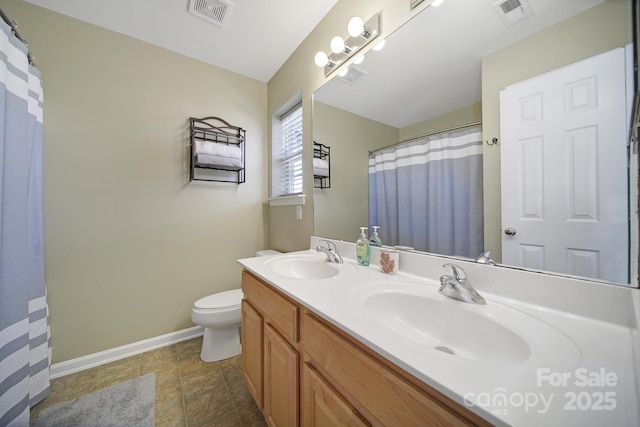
{"points": [[354, 44]]}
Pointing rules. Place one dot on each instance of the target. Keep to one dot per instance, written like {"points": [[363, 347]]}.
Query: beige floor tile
{"points": [[72, 386], [204, 380], [193, 364], [231, 366], [189, 348], [159, 357], [230, 419], [204, 408], [168, 395], [250, 415], [164, 373], [171, 417], [187, 389], [117, 372]]}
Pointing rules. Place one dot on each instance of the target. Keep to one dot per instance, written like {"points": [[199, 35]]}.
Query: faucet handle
{"points": [[485, 258], [330, 245], [445, 280], [455, 270]]}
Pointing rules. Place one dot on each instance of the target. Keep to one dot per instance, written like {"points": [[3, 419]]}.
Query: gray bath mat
{"points": [[131, 403]]}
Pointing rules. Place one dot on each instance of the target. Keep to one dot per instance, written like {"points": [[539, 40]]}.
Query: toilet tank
{"points": [[267, 252]]}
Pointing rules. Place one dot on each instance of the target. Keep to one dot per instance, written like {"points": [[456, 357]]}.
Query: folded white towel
{"points": [[320, 172], [320, 163], [216, 154], [208, 159], [320, 167]]}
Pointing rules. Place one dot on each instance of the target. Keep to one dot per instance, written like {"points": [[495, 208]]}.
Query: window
{"points": [[287, 153]]}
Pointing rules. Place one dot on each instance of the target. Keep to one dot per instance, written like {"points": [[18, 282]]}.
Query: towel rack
{"points": [[224, 158], [323, 152]]}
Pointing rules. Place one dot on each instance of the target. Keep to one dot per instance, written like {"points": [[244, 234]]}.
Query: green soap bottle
{"points": [[375, 237], [363, 249]]}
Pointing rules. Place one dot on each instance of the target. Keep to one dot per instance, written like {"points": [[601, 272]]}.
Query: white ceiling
{"points": [[258, 38], [429, 66], [432, 64]]}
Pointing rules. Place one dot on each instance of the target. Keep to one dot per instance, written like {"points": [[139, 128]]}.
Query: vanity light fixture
{"points": [[378, 45], [337, 45], [343, 72], [355, 27], [360, 34], [437, 3]]}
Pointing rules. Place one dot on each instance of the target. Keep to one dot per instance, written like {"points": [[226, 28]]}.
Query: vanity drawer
{"points": [[375, 388], [274, 307]]}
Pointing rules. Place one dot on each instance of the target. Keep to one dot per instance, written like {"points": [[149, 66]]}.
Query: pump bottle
{"points": [[375, 237], [363, 249]]}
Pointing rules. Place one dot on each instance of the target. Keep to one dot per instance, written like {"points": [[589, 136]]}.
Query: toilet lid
{"points": [[221, 299]]}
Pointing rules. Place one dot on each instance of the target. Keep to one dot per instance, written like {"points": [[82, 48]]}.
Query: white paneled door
{"points": [[564, 170]]}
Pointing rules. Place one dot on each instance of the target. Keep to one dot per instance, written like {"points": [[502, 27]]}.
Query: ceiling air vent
{"points": [[512, 11], [354, 75], [215, 11]]}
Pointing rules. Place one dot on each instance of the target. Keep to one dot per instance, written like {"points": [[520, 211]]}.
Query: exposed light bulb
{"points": [[344, 72], [355, 27], [436, 3], [337, 44], [379, 45], [359, 60], [321, 59]]}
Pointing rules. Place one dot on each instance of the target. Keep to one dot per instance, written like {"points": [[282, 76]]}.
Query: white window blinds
{"points": [[287, 155]]}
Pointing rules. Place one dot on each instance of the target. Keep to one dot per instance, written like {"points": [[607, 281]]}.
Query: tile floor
{"points": [[189, 392]]}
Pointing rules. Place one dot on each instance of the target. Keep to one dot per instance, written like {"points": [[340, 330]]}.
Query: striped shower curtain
{"points": [[427, 193], [25, 351]]}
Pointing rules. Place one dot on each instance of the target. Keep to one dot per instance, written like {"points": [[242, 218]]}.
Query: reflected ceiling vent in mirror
{"points": [[214, 11], [353, 76], [512, 11]]}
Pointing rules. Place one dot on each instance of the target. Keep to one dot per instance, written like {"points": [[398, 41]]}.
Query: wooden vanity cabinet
{"points": [[322, 405], [270, 360], [311, 373], [251, 334]]}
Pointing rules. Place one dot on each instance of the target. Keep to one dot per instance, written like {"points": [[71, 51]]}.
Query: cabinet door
{"points": [[280, 380], [322, 406], [252, 351], [377, 392]]}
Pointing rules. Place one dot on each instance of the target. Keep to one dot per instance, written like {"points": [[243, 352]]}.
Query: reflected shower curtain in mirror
{"points": [[427, 193], [25, 352]]}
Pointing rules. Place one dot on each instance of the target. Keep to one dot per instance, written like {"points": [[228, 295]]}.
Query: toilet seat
{"points": [[220, 301]]}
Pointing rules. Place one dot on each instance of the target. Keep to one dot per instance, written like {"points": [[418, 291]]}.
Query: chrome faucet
{"points": [[458, 287], [485, 258], [331, 252]]}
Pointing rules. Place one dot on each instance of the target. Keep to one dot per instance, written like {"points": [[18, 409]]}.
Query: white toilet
{"points": [[220, 315]]}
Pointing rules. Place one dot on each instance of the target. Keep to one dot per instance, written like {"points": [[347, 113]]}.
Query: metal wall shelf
{"points": [[323, 152], [217, 151]]}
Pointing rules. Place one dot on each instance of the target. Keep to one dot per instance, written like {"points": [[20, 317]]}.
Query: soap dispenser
{"points": [[362, 247], [375, 237]]}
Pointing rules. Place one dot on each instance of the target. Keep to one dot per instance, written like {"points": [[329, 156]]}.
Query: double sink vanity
{"points": [[327, 343]]}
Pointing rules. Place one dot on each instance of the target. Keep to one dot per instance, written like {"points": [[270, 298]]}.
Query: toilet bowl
{"points": [[220, 315]]}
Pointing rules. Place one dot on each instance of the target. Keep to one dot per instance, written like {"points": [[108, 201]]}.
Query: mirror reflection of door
{"points": [[564, 170]]}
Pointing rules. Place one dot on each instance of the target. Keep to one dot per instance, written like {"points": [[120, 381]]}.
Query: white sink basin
{"points": [[304, 266], [492, 333]]}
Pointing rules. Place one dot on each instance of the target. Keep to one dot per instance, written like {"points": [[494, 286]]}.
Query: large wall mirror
{"points": [[443, 69]]}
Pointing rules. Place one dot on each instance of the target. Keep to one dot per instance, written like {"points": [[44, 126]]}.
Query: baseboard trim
{"points": [[96, 359]]}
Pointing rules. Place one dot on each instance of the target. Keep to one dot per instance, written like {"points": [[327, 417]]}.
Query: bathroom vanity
{"points": [[342, 344]]}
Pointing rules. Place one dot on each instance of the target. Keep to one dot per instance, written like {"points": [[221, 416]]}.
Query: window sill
{"points": [[297, 199]]}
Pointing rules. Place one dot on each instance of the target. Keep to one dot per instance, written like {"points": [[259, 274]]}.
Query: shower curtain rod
{"points": [[14, 29], [426, 135]]}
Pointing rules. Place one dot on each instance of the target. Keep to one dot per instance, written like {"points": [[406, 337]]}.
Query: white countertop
{"points": [[591, 381]]}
